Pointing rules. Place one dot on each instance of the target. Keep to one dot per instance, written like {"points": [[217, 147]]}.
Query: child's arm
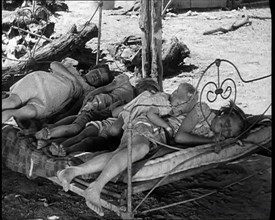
{"points": [[153, 116], [117, 111], [58, 68], [116, 128], [184, 135], [102, 89]]}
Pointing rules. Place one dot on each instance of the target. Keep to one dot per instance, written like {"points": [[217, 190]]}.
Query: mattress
{"points": [[202, 155], [20, 155]]}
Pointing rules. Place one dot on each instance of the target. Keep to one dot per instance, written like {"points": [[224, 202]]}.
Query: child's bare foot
{"points": [[43, 134], [65, 177], [57, 150], [92, 196]]}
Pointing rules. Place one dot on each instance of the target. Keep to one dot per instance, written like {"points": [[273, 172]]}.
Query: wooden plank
{"points": [[145, 26]]}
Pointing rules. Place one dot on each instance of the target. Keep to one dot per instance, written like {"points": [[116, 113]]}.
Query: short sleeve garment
{"points": [[48, 91], [143, 102], [123, 89]]}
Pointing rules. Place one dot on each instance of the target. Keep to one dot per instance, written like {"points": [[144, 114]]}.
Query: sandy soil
{"points": [[249, 48]]}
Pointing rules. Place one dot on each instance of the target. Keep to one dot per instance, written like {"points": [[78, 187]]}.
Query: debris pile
{"points": [[27, 28], [28, 41], [128, 52]]}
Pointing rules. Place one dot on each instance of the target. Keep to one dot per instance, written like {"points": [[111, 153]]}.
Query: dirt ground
{"points": [[249, 48]]}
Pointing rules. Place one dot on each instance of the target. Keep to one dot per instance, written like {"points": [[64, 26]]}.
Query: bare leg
{"points": [[89, 144], [68, 130], [79, 123], [26, 112], [94, 165], [64, 121], [62, 147], [116, 165], [59, 131], [13, 101], [65, 130], [45, 132], [116, 128], [90, 131]]}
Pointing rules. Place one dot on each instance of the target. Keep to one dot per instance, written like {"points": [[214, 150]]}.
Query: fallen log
{"points": [[56, 50], [235, 25]]}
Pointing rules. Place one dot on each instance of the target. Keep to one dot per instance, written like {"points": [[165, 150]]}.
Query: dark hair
{"points": [[146, 84], [233, 110], [189, 87], [106, 67]]}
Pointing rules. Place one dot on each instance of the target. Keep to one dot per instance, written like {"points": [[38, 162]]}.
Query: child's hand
{"points": [[223, 143], [169, 131], [116, 104], [218, 138], [88, 98]]}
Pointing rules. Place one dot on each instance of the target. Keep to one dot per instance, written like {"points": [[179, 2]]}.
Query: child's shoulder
{"points": [[203, 110], [122, 78], [202, 106], [161, 95]]}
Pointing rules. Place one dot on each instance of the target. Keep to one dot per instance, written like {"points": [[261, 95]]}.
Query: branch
{"points": [[235, 25], [37, 35]]}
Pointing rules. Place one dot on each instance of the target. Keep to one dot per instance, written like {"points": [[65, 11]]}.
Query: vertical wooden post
{"points": [[100, 5], [156, 42], [145, 26], [150, 24], [129, 169], [33, 6]]}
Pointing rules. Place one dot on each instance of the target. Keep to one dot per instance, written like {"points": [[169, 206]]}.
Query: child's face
{"points": [[227, 126], [97, 77]]}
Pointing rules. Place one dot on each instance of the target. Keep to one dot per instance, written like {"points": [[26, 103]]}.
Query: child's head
{"points": [[148, 84], [184, 98], [230, 121], [99, 75]]}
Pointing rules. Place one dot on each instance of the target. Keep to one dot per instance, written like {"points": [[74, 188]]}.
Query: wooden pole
{"points": [[33, 7], [100, 4], [129, 169], [145, 26], [156, 42]]}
